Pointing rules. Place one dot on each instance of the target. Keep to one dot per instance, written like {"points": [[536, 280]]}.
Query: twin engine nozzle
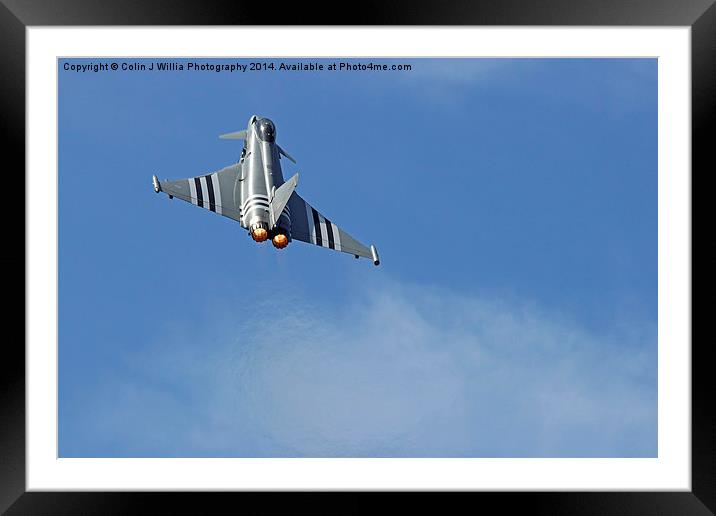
{"points": [[260, 233]]}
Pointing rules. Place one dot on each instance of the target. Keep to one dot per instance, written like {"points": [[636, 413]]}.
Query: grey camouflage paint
{"points": [[244, 192]]}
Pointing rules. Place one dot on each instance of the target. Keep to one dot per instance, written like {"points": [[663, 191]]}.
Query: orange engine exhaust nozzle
{"points": [[259, 234], [280, 241]]}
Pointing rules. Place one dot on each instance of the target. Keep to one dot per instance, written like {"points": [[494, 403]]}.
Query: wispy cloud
{"points": [[404, 371]]}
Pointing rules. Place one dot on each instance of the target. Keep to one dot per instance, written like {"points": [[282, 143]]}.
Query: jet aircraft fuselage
{"points": [[260, 174]]}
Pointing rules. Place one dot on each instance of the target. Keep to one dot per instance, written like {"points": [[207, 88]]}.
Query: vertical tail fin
{"points": [[280, 197]]}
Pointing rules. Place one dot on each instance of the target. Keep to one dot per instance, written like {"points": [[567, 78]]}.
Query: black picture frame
{"points": [[16, 15]]}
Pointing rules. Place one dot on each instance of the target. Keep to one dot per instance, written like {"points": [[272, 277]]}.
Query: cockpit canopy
{"points": [[266, 130]]}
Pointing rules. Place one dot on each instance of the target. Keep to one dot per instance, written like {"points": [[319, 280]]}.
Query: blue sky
{"points": [[514, 206]]}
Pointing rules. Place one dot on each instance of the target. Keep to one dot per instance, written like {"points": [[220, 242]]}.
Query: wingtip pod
{"points": [[155, 183], [374, 252]]}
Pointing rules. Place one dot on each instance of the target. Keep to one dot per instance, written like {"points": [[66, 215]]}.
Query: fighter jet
{"points": [[254, 193]]}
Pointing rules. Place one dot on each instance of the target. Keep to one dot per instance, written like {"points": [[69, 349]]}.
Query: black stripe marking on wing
{"points": [[210, 188], [317, 226], [329, 230], [199, 195]]}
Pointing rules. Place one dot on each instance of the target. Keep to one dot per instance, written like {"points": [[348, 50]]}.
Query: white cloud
{"points": [[406, 371]]}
